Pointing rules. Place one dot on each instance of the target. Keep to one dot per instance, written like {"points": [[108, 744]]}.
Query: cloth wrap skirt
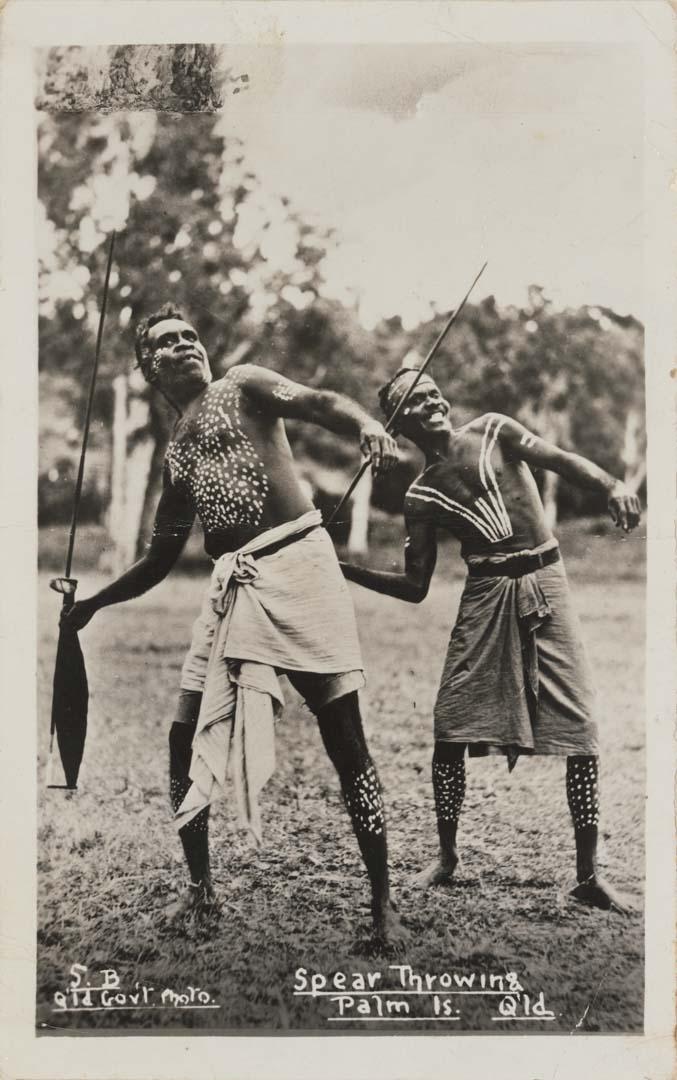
{"points": [[515, 678], [279, 603]]}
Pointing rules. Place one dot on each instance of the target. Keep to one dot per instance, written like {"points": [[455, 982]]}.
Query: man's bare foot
{"points": [[388, 935], [596, 893], [197, 902], [439, 872]]}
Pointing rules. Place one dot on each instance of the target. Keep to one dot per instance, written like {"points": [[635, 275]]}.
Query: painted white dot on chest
{"points": [[215, 459]]}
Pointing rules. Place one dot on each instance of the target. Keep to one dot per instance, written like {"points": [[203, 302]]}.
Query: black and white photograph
{"points": [[344, 718]]}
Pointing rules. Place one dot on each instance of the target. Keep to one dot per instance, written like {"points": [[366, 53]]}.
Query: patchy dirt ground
{"points": [[109, 858]]}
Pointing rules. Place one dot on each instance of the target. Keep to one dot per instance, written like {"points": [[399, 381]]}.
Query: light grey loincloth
{"points": [[278, 603], [304, 625], [515, 677]]}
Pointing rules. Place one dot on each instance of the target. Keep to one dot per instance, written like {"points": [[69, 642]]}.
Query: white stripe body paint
{"points": [[500, 509], [489, 515], [527, 440], [485, 459], [435, 496]]}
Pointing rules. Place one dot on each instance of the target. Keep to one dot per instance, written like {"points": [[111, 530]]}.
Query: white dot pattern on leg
{"points": [[449, 789], [583, 791], [177, 793], [364, 803]]}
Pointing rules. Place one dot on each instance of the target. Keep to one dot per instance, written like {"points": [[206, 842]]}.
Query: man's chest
{"points": [[465, 491], [213, 457], [212, 437], [474, 470]]}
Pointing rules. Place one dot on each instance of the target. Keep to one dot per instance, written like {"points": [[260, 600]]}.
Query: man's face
{"points": [[426, 411], [178, 357]]}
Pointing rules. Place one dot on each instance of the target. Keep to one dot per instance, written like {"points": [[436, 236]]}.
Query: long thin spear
{"points": [[70, 692], [398, 408], [88, 415]]}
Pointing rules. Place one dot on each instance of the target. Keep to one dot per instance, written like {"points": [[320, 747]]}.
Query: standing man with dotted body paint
{"points": [[277, 601], [515, 678]]}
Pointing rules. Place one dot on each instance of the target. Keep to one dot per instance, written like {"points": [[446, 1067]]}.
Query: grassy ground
{"points": [[109, 858]]}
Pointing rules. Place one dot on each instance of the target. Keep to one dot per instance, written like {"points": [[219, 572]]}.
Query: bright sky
{"points": [[429, 159]]}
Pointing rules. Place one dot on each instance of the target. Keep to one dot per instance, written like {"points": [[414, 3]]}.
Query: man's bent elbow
{"points": [[417, 593]]}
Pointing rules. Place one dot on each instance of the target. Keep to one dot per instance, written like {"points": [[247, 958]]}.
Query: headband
{"points": [[400, 385]]}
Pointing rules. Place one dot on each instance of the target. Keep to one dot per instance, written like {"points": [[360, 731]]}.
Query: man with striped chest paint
{"points": [[515, 678], [277, 601]]}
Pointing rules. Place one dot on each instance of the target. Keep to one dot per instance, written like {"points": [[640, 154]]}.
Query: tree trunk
{"points": [[159, 429], [634, 454], [116, 512], [552, 425], [636, 478], [151, 497], [140, 431], [173, 78], [549, 496], [139, 474], [358, 540]]}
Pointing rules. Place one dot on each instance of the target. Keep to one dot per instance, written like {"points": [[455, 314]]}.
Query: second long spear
{"points": [[398, 408]]}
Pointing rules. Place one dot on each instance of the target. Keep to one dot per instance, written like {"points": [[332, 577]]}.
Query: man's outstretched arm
{"points": [[276, 395], [173, 522], [420, 555], [623, 505]]}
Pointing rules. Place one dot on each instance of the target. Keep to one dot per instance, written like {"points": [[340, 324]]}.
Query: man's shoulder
{"points": [[491, 422], [415, 498], [248, 373], [236, 373], [256, 381], [240, 373], [416, 482]]}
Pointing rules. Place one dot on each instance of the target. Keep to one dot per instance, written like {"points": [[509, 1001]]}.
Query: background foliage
{"points": [[200, 229]]}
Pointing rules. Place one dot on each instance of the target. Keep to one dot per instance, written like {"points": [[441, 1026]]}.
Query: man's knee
{"points": [[446, 753], [340, 726], [188, 707], [182, 731], [180, 748]]}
